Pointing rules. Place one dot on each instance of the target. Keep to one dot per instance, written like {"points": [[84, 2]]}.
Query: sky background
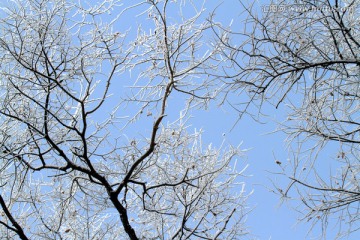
{"points": [[270, 218]]}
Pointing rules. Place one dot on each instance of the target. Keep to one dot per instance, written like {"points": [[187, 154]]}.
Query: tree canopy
{"points": [[96, 99]]}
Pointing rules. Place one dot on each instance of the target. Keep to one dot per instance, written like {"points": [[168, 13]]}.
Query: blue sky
{"points": [[272, 218], [269, 219]]}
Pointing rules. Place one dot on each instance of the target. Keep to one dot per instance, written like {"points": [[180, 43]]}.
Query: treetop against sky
{"points": [[136, 119]]}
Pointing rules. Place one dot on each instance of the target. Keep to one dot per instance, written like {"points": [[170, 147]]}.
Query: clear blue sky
{"points": [[269, 219]]}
